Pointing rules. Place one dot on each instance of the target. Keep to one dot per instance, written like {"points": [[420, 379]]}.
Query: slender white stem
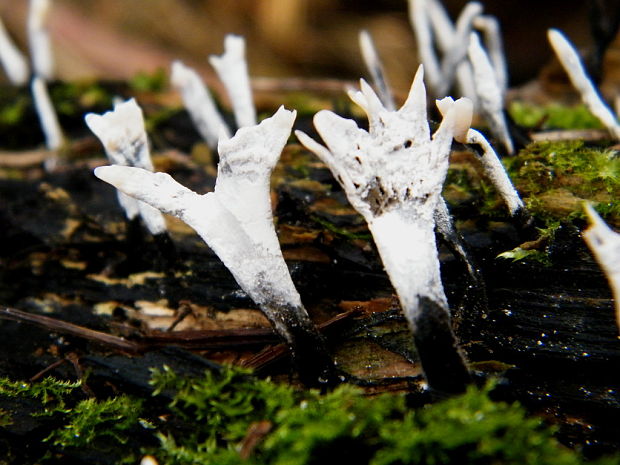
{"points": [[489, 92], [571, 62], [39, 39], [444, 33], [199, 103], [489, 26], [496, 172], [13, 61], [408, 251], [47, 115], [373, 63], [458, 51], [418, 16], [605, 245], [232, 69]]}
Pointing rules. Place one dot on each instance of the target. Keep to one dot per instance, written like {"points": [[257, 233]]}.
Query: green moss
{"points": [[91, 421], [50, 392], [155, 81], [470, 429], [555, 178], [71, 99], [96, 424], [553, 116], [13, 112], [228, 417], [345, 426]]}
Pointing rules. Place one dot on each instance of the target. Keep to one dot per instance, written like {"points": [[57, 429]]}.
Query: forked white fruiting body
{"points": [[605, 245], [13, 61], [491, 164], [236, 222], [124, 139], [47, 115], [373, 63], [569, 58], [232, 70], [199, 103], [393, 176], [39, 39], [457, 52], [435, 33], [489, 92], [419, 11]]}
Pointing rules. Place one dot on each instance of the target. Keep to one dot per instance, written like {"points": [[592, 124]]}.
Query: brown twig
{"points": [[64, 327], [207, 339]]}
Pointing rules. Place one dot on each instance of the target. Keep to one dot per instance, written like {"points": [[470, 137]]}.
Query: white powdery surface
{"points": [[199, 103], [605, 245], [235, 220], [393, 175], [581, 81], [124, 139], [232, 69]]}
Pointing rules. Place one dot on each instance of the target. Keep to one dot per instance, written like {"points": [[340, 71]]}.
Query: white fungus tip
{"points": [[416, 100], [463, 113]]}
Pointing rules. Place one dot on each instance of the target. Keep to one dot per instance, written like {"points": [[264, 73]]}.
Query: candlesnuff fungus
{"points": [[492, 166], [393, 176], [232, 69], [199, 103], [489, 92], [605, 245], [434, 33], [123, 136], [569, 58], [237, 223]]}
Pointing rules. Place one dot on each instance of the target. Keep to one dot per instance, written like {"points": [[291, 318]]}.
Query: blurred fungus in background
{"points": [[115, 39]]}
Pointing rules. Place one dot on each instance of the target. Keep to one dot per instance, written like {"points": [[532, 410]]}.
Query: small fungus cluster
{"points": [[392, 174]]}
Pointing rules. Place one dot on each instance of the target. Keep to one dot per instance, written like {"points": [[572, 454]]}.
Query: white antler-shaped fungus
{"points": [[38, 36], [237, 223], [571, 62], [124, 139], [458, 50], [435, 32], [232, 69], [489, 92], [13, 61], [393, 175], [199, 104], [605, 245], [420, 22]]}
